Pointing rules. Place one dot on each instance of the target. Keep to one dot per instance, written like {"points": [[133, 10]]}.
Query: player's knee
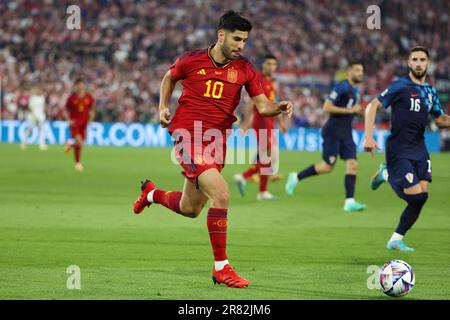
{"points": [[352, 166], [326, 168], [193, 212], [416, 199], [221, 197]]}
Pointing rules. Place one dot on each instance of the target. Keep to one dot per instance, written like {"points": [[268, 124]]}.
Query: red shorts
{"points": [[265, 138], [78, 130], [197, 157]]}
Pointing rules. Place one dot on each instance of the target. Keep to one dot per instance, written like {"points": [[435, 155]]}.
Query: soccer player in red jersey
{"points": [[266, 140], [212, 80], [79, 112]]}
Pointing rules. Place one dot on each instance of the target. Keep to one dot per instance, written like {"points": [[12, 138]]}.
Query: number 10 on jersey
{"points": [[217, 89]]}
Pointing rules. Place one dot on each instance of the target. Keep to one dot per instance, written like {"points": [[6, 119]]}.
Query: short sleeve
{"points": [[335, 94], [388, 95], [436, 109], [253, 83], [178, 68]]}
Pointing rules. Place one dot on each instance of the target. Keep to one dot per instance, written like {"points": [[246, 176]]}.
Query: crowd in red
{"points": [[124, 47]]}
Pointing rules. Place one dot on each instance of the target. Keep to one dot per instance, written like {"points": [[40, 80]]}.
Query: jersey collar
{"points": [[214, 62], [408, 79]]}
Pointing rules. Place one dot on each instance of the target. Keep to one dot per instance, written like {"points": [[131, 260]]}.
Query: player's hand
{"points": [[165, 117], [286, 107], [357, 109], [370, 145]]}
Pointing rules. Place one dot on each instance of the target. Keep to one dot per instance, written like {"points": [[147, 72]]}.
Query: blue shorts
{"points": [[405, 173], [333, 146]]}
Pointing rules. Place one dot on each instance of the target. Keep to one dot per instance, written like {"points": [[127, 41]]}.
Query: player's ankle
{"points": [[219, 265], [349, 201], [150, 196], [396, 236]]}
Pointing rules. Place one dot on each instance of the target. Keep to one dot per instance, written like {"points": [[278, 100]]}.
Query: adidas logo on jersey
{"points": [[202, 72]]}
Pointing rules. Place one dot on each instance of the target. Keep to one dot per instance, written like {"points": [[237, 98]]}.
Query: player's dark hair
{"points": [[419, 48], [354, 63], [233, 21], [79, 80], [270, 56]]}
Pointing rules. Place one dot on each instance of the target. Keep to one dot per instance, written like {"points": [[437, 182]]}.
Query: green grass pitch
{"points": [[304, 247]]}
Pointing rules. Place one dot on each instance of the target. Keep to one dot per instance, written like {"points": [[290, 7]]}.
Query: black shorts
{"points": [[405, 173], [334, 146]]}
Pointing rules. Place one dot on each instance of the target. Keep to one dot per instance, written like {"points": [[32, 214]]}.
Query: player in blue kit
{"points": [[342, 104], [408, 165]]}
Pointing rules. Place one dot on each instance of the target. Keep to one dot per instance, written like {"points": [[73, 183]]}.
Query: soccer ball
{"points": [[396, 278]]}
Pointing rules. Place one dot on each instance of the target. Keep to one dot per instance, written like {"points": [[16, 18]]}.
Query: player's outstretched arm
{"points": [[369, 126], [248, 113], [165, 93], [329, 107], [268, 108], [443, 121]]}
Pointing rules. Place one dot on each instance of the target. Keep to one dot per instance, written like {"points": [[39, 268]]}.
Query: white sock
{"points": [[349, 200], [396, 236], [385, 174], [218, 265], [150, 195]]}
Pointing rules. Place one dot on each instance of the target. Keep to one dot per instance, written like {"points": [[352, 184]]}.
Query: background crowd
{"points": [[124, 48]]}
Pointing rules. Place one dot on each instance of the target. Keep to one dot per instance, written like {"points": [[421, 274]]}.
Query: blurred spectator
{"points": [[124, 47]]}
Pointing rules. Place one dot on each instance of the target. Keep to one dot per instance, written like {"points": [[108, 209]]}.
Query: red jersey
{"points": [[211, 93], [260, 122], [79, 108]]}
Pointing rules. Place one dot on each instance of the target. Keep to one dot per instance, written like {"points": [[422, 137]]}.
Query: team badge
{"points": [[410, 177], [232, 75], [222, 223], [332, 159]]}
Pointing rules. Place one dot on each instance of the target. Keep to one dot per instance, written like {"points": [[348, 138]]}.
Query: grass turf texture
{"points": [[304, 247]]}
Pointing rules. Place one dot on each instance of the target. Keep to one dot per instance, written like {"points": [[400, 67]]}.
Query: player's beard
{"points": [[227, 52], [357, 80], [419, 74]]}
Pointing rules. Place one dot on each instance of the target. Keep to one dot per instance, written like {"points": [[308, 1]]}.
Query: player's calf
{"points": [[411, 212], [190, 211], [407, 220]]}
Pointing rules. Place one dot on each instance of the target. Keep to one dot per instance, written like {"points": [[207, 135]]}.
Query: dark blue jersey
{"points": [[410, 105], [343, 95]]}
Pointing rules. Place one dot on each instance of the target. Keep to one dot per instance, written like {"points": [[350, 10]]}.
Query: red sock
{"points": [[217, 227], [251, 171], [263, 177], [77, 152], [169, 199], [263, 181]]}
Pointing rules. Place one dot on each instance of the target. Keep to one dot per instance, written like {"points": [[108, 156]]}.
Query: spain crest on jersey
{"points": [[232, 75]]}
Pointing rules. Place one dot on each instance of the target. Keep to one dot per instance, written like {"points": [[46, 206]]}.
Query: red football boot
{"points": [[142, 202], [229, 277]]}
